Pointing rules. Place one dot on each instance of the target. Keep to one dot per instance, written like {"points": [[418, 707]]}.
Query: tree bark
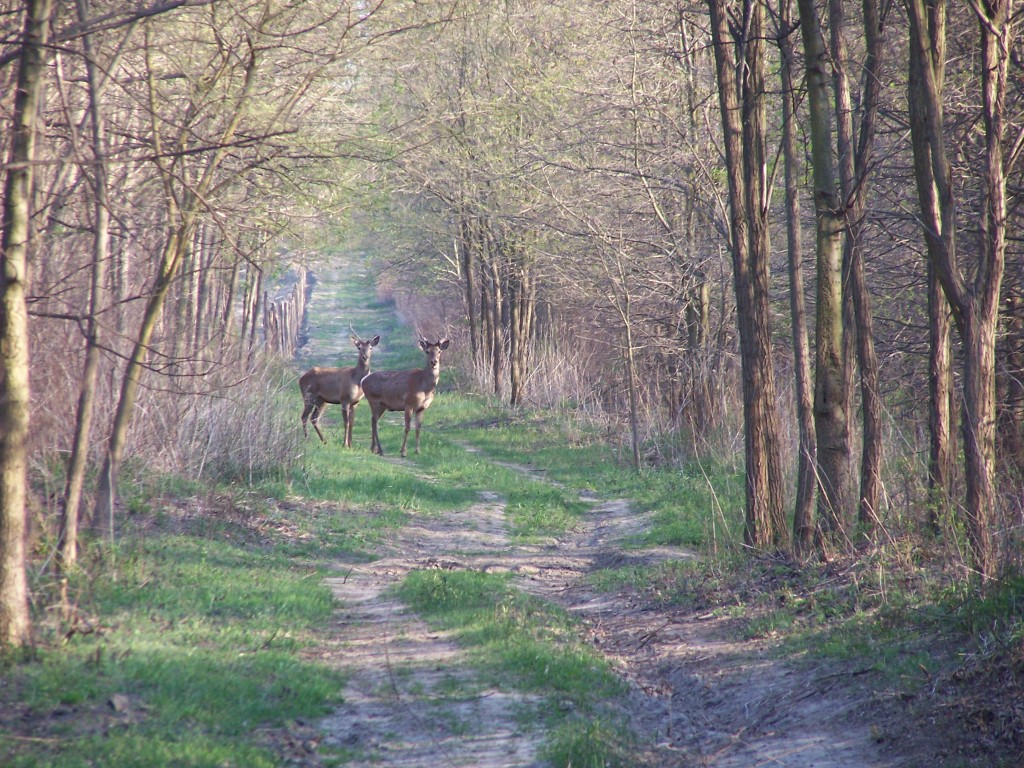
{"points": [[854, 167], [15, 623], [938, 217], [68, 544], [830, 391], [103, 509], [743, 128], [975, 304], [803, 515]]}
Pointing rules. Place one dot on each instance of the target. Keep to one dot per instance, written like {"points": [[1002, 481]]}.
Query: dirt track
{"points": [[698, 697]]}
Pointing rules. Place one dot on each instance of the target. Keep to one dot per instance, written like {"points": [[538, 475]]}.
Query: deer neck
{"points": [[429, 377]]}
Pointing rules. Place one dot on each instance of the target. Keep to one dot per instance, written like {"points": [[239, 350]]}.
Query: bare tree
{"points": [[803, 513], [974, 300], [938, 217], [99, 179], [14, 352], [740, 63], [830, 391]]}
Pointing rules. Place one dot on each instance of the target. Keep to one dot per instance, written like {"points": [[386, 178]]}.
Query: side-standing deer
{"points": [[411, 391], [336, 385]]}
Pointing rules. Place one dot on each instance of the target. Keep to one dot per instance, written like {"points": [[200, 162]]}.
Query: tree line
{"points": [[610, 187], [611, 203]]}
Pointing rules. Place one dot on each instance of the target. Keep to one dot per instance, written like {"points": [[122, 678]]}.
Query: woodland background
{"points": [[714, 228]]}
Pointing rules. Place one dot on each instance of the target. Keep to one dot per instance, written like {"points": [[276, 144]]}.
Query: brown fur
{"points": [[341, 386], [410, 391]]}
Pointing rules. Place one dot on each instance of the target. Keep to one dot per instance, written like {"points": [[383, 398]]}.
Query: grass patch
{"points": [[515, 639], [182, 647], [699, 505], [589, 743]]}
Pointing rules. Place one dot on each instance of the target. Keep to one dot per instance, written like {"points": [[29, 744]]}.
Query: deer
{"points": [[341, 386], [410, 391]]}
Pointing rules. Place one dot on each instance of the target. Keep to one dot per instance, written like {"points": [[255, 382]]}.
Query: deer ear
{"points": [[444, 344], [374, 340], [355, 341], [424, 344]]}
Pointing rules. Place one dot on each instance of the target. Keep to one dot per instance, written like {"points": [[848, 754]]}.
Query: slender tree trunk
{"points": [[803, 516], [975, 304], [15, 624], [466, 244], [979, 421], [743, 130], [227, 318], [68, 545], [982, 320], [940, 400], [103, 510], [515, 335], [623, 301], [854, 167], [830, 391], [938, 217], [497, 340]]}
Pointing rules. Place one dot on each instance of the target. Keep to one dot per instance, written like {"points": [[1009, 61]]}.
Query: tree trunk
{"points": [[467, 245], [938, 217], [496, 345], [940, 400], [803, 516], [103, 509], [830, 391], [975, 304], [743, 133], [15, 624], [68, 544], [854, 167], [517, 343]]}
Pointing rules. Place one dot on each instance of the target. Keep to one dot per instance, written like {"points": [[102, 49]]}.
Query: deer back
{"points": [[332, 385], [395, 389], [339, 385]]}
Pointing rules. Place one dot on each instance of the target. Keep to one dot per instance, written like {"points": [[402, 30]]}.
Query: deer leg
{"points": [[346, 417], [419, 423], [315, 419], [374, 440], [305, 417], [405, 437]]}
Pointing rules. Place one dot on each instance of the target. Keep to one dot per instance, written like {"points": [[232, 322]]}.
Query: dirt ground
{"points": [[699, 696]]}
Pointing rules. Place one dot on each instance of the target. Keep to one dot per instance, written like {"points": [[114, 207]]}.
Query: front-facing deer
{"points": [[411, 391], [336, 385]]}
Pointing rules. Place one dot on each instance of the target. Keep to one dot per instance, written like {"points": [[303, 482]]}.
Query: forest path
{"points": [[698, 696]]}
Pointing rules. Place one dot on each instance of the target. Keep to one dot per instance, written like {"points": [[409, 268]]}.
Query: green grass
{"points": [[696, 505], [202, 637], [443, 479], [517, 640], [589, 743], [204, 620]]}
